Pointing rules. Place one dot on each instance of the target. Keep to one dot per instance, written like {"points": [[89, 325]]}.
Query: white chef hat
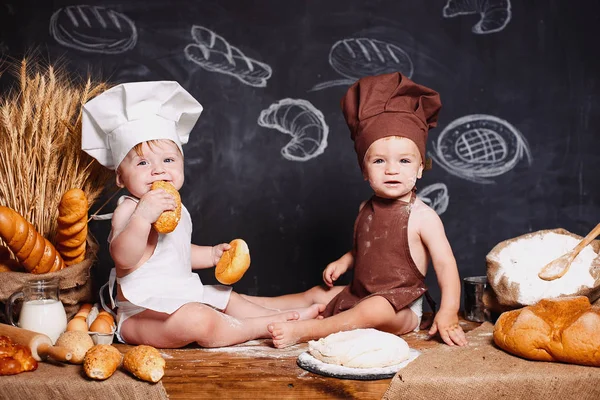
{"points": [[131, 113]]}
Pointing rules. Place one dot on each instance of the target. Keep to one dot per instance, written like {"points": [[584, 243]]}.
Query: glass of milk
{"points": [[42, 311]]}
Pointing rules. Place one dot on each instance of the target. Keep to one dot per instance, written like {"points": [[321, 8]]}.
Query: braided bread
{"points": [[72, 226], [15, 358], [34, 251]]}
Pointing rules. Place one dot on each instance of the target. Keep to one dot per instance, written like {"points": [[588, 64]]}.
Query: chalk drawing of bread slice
{"points": [[354, 58], [213, 53], [303, 122], [93, 29], [478, 147], [495, 14], [435, 196]]}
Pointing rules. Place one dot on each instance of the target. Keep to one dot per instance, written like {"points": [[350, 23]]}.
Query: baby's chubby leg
{"points": [[196, 322], [315, 295], [374, 312], [240, 307]]}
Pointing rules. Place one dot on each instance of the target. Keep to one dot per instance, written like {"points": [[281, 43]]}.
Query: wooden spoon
{"points": [[557, 268]]}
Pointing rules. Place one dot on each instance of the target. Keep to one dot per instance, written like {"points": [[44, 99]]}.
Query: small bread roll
{"points": [[145, 362], [168, 220], [101, 361], [77, 342], [234, 263]]}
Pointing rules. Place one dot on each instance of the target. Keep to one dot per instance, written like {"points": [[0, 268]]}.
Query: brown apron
{"points": [[383, 265]]}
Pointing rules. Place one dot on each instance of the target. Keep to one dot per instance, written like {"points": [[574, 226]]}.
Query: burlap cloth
{"points": [[67, 381], [480, 370]]}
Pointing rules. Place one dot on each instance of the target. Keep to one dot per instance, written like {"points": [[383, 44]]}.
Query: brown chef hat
{"points": [[389, 105]]}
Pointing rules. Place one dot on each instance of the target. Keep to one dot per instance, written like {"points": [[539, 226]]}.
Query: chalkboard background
{"points": [[538, 72]]}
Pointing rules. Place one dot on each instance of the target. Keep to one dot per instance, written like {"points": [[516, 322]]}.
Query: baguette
{"points": [[72, 226], [145, 362], [33, 251]]}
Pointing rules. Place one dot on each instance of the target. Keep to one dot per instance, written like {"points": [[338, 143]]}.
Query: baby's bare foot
{"points": [[311, 312], [285, 334]]}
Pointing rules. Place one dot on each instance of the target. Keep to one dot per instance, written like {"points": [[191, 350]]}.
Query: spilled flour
{"points": [[521, 261], [258, 348]]}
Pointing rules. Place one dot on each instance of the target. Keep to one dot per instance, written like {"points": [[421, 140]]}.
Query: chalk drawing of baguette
{"points": [[354, 58], [435, 196], [479, 147], [213, 53], [93, 29], [495, 14], [303, 122]]}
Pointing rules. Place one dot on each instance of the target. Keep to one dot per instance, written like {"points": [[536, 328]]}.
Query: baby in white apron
{"points": [[138, 129]]}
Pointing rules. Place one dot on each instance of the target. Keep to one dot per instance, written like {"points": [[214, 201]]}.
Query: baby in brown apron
{"points": [[395, 233]]}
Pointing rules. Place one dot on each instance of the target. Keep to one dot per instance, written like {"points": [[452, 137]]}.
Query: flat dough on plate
{"points": [[360, 348]]}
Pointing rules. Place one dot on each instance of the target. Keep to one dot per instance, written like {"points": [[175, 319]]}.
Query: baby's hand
{"points": [[333, 271], [218, 250], [449, 329], [153, 203]]}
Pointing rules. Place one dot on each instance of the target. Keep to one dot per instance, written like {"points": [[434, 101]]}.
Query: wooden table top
{"points": [[256, 370]]}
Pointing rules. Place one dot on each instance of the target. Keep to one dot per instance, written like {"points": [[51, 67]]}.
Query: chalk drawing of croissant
{"points": [[213, 53], [303, 122], [93, 29], [479, 147], [354, 58], [435, 196], [495, 14]]}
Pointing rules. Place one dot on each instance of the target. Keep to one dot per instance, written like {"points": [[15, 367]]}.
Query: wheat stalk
{"points": [[40, 144]]}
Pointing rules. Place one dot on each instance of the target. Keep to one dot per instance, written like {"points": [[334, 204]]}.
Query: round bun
{"points": [[233, 263], [168, 220], [77, 342]]}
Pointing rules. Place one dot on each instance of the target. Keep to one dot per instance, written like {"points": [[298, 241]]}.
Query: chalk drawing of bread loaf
{"points": [[477, 147], [495, 14], [303, 122], [354, 58], [213, 53], [93, 29]]}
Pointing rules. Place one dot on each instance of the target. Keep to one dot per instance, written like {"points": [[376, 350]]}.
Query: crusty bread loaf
{"points": [[145, 362], [72, 226], [234, 263], [33, 251], [563, 329], [168, 220], [101, 361]]}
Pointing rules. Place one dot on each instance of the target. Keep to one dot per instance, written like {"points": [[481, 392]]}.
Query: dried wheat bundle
{"points": [[40, 143]]}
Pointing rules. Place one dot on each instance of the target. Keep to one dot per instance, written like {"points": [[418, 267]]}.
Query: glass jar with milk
{"points": [[42, 311]]}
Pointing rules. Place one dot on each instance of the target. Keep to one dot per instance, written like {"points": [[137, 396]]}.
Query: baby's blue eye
{"points": [[143, 163], [378, 161], [405, 161], [169, 160]]}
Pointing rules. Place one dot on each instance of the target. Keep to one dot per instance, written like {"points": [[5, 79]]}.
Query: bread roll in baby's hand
{"points": [[562, 329], [101, 361], [234, 263], [168, 220], [145, 362]]}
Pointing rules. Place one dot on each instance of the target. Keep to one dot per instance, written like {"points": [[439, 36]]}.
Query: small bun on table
{"points": [[145, 362], [233, 263], [168, 220]]}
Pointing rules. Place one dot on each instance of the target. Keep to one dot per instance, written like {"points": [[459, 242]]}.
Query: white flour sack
{"points": [[513, 267]]}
